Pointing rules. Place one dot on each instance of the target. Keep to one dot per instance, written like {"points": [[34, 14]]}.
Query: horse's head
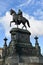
{"points": [[12, 12]]}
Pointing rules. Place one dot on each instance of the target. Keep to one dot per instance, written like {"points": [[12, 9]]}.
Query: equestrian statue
{"points": [[18, 18]]}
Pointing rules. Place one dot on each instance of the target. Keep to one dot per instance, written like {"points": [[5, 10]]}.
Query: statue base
{"points": [[21, 49], [20, 35]]}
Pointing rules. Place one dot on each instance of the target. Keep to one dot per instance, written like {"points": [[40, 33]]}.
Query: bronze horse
{"points": [[18, 18]]}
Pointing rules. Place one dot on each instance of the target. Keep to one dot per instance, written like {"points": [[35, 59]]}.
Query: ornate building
{"points": [[20, 50]]}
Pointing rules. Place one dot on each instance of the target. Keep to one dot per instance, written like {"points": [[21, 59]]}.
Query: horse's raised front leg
{"points": [[11, 22]]}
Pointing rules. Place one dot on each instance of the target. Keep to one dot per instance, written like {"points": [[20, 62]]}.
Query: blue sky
{"points": [[32, 10]]}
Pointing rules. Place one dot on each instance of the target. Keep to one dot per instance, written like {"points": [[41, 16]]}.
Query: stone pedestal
{"points": [[20, 41], [20, 35]]}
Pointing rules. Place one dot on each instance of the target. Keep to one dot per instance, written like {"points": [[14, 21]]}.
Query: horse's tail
{"points": [[28, 23]]}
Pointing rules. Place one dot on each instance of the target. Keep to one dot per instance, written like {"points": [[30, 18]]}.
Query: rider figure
{"points": [[19, 12], [20, 15]]}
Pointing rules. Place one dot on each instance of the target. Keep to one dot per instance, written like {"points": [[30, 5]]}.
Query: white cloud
{"points": [[25, 3], [5, 20], [36, 27]]}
